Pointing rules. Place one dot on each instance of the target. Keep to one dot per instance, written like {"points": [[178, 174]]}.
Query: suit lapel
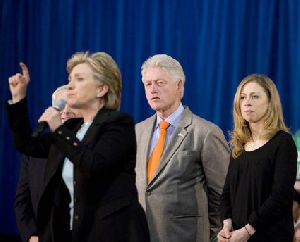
{"points": [[145, 142], [178, 136]]}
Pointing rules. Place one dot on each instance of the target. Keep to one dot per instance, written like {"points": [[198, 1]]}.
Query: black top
{"points": [[259, 189]]}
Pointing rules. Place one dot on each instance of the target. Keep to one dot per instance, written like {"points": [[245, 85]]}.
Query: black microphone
{"points": [[59, 106]]}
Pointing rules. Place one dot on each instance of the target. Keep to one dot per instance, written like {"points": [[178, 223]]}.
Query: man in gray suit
{"points": [[179, 189]]}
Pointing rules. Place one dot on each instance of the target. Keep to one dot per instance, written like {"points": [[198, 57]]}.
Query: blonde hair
{"points": [[167, 63], [273, 118], [106, 71]]}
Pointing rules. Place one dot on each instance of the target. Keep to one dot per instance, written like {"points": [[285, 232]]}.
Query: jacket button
{"points": [[59, 132], [74, 182], [75, 143], [67, 138], [76, 217]]}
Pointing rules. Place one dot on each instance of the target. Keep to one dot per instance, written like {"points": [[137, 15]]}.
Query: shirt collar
{"points": [[173, 118]]}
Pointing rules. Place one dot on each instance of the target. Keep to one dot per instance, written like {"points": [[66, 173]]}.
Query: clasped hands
{"points": [[239, 235]]}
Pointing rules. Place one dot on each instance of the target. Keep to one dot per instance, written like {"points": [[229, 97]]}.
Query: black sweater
{"points": [[259, 189]]}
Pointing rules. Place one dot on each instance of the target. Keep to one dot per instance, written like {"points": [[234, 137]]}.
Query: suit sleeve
{"points": [[215, 160], [23, 205], [21, 131], [110, 146]]}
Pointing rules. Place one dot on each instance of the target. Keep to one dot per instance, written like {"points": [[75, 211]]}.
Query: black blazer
{"points": [[105, 198], [28, 192]]}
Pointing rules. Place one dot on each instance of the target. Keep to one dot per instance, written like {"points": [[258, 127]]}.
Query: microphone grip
{"points": [[59, 106], [42, 125]]}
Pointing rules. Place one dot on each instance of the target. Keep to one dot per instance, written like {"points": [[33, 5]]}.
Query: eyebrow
{"points": [[79, 74], [76, 75], [155, 80], [251, 93]]}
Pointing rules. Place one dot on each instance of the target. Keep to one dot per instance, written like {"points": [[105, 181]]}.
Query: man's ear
{"points": [[180, 84]]}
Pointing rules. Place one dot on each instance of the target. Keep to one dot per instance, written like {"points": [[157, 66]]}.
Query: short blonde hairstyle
{"points": [[106, 71], [273, 119], [167, 63]]}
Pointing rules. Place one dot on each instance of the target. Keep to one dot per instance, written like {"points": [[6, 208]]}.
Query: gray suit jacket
{"points": [[182, 200]]}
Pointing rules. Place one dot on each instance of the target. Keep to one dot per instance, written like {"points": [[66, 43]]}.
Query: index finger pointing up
{"points": [[25, 71]]}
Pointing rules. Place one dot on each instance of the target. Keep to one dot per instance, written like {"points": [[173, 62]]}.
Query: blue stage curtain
{"points": [[218, 43]]}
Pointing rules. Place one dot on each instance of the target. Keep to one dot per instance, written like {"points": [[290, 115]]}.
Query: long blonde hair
{"points": [[273, 118]]}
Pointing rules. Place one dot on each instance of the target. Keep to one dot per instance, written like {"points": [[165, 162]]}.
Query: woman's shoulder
{"points": [[280, 139], [282, 135], [119, 114], [115, 116], [285, 141]]}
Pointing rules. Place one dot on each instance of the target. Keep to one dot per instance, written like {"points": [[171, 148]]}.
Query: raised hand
{"points": [[18, 84]]}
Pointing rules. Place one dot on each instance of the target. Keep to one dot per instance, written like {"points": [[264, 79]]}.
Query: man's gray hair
{"points": [[167, 63], [63, 87]]}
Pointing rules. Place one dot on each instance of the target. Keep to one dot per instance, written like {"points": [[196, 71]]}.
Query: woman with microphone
{"points": [[89, 190]]}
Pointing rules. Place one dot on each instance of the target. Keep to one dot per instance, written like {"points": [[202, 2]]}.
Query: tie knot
{"points": [[164, 125]]}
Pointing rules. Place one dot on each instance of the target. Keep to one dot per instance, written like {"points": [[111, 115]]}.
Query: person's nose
{"points": [[70, 85], [247, 101], [153, 88]]}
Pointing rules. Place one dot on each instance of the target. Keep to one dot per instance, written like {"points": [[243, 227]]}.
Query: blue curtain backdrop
{"points": [[218, 42]]}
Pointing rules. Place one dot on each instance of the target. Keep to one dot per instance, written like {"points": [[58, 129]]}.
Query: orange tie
{"points": [[157, 151]]}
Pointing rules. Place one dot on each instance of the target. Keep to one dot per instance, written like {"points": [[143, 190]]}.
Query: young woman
{"points": [[257, 198]]}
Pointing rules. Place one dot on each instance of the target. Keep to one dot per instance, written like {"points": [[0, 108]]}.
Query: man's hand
{"points": [[18, 84]]}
